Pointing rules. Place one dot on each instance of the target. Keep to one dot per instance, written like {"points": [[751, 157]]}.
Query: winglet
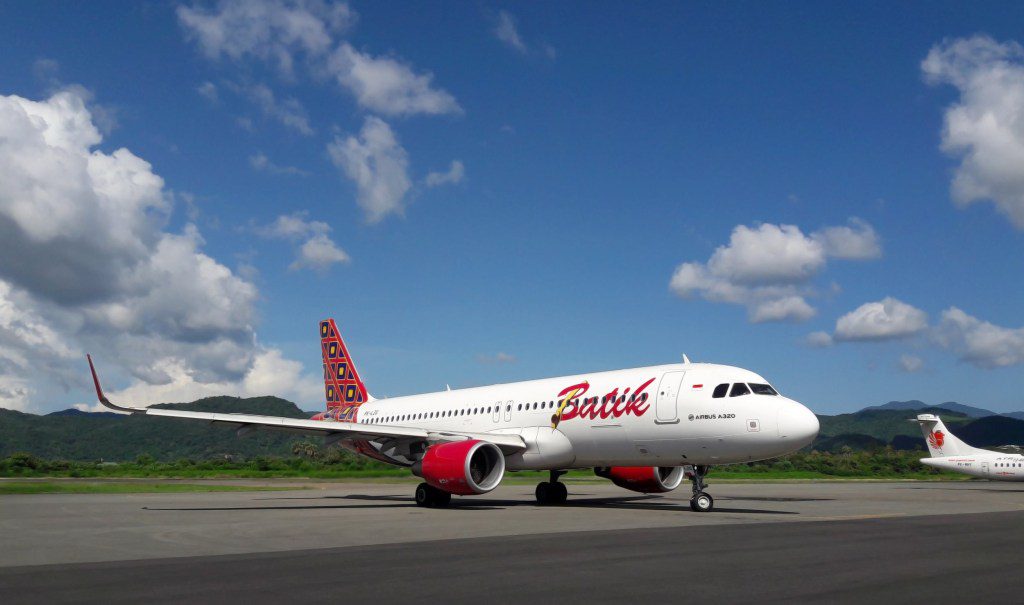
{"points": [[99, 391]]}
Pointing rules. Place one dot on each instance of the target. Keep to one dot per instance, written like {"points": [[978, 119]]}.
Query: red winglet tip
{"points": [[95, 379]]}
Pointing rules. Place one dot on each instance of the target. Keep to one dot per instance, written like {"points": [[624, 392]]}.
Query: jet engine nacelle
{"points": [[643, 479], [463, 468]]}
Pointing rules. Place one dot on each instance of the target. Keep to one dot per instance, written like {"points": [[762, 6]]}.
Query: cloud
{"points": [[388, 86], [317, 252], [498, 358], [856, 241], [262, 163], [886, 319], [85, 264], [506, 31], [288, 112], [911, 363], [769, 268], [270, 30], [985, 128], [978, 342], [285, 33], [270, 373], [208, 90], [378, 165], [819, 340], [454, 175]]}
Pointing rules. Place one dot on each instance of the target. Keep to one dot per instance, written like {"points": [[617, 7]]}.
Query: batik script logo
{"points": [[936, 439], [612, 405]]}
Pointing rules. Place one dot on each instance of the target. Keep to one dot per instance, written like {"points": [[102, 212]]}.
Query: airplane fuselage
{"points": [[995, 466], [664, 415]]}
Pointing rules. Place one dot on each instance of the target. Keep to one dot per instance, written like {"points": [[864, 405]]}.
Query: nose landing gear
{"points": [[552, 492], [700, 502]]}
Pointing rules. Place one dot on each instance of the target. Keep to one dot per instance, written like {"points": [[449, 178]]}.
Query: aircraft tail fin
{"points": [[940, 441], [342, 384]]}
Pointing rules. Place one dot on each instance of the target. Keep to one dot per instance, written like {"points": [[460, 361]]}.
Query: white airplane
{"points": [[642, 428], [951, 454]]}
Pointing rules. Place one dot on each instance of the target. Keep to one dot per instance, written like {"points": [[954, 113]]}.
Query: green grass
{"points": [[110, 487]]}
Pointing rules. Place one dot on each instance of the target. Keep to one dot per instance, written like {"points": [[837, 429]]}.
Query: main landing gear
{"points": [[429, 496], [700, 502], [552, 492]]}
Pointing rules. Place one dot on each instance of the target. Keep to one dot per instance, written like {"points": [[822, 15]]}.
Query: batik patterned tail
{"points": [[342, 385]]}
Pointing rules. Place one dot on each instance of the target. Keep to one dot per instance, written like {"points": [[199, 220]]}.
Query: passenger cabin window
{"points": [[762, 389], [721, 390], [739, 389]]}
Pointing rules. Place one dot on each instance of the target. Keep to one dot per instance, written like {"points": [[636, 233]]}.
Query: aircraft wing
{"points": [[331, 429]]}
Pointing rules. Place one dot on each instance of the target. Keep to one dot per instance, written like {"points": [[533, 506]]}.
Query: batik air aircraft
{"points": [[951, 454], [638, 427]]}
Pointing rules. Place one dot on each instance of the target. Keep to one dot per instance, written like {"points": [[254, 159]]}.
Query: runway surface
{"points": [[895, 542]]}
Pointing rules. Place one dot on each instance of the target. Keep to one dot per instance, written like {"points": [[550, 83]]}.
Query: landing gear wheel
{"points": [[702, 503], [431, 497], [561, 493], [424, 495], [544, 494], [552, 492]]}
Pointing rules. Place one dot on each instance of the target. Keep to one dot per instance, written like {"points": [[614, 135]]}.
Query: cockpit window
{"points": [[762, 389], [721, 390], [739, 389]]}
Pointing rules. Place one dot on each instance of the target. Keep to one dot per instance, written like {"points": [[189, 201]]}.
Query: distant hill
{"points": [[74, 412], [968, 410], [115, 437], [883, 424], [852, 441], [993, 431]]}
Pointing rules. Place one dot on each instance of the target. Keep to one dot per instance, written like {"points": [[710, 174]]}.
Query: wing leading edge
{"points": [[331, 429]]}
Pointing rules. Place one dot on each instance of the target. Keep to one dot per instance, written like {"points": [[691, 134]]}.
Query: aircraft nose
{"points": [[797, 424]]}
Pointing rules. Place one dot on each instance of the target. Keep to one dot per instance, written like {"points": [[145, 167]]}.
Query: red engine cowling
{"points": [[463, 468], [643, 479]]}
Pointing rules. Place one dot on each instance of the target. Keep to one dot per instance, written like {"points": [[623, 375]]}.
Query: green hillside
{"points": [[118, 438], [883, 425]]}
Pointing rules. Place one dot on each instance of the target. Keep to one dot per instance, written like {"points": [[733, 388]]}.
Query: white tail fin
{"points": [[940, 441]]}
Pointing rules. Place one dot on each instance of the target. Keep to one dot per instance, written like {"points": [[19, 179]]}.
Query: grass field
{"points": [[134, 487]]}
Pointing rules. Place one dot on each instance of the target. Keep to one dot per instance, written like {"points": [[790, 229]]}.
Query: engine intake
{"points": [[463, 468], [643, 479]]}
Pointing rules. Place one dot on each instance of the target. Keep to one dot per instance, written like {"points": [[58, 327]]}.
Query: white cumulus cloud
{"points": [[507, 32], [456, 172], [979, 342], [378, 165], [985, 128], [86, 264], [769, 268], [272, 30], [911, 363], [317, 251], [388, 86], [886, 319]]}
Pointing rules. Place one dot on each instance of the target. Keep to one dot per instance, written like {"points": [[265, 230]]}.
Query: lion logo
{"points": [[936, 439]]}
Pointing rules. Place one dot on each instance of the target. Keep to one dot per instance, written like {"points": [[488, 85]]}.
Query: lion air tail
{"points": [[941, 442]]}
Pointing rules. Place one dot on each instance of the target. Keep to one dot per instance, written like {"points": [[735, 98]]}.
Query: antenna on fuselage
{"points": [[447, 387], [686, 359]]}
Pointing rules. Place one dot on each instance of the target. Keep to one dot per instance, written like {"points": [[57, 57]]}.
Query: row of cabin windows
{"points": [[742, 388], [491, 409], [1008, 464]]}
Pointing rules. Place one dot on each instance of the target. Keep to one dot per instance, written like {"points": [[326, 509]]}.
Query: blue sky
{"points": [[485, 192]]}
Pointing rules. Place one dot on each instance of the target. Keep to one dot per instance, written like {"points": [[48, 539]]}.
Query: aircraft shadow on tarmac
{"points": [[387, 501]]}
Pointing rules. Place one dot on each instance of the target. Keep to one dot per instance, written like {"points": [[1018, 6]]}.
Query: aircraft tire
{"points": [[561, 493], [424, 495], [702, 503]]}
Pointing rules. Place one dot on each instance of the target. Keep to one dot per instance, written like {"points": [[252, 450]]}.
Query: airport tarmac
{"points": [[832, 541]]}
